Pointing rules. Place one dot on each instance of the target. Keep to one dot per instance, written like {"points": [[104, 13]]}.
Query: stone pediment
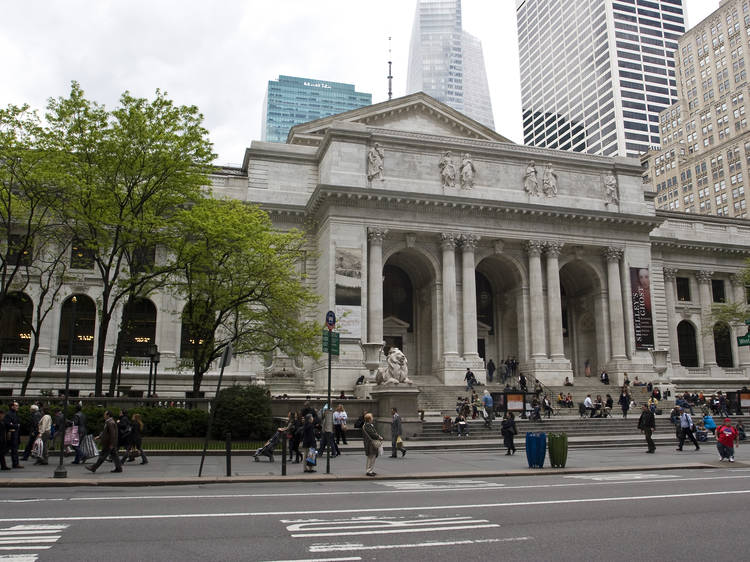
{"points": [[415, 113]]}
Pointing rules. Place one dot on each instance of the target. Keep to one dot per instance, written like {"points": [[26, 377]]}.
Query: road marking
{"points": [[625, 476], [28, 538], [439, 485], [382, 526], [319, 559], [359, 546], [397, 531], [374, 492], [307, 513]]}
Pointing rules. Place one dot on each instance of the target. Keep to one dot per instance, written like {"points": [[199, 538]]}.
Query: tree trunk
{"points": [[118, 349], [30, 366]]}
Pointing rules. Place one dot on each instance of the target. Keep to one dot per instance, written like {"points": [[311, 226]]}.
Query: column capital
{"points": [[553, 248], [704, 276], [469, 241], [448, 240], [376, 235], [613, 253], [534, 247], [669, 273]]}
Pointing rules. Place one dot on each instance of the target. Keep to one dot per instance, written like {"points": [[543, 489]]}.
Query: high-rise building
{"points": [[595, 74], [291, 100], [705, 151], [447, 62]]}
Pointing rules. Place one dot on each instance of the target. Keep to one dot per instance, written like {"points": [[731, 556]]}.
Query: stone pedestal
{"points": [[364, 391], [404, 399]]}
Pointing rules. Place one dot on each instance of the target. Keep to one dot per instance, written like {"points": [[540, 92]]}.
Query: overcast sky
{"points": [[220, 55]]}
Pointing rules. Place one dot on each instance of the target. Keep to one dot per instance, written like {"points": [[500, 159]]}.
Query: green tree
{"points": [[133, 168], [240, 283], [733, 312]]}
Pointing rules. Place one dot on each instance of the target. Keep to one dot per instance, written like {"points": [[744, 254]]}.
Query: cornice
{"points": [[698, 246]]}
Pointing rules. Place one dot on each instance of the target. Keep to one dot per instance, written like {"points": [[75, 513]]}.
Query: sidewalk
{"points": [[428, 460]]}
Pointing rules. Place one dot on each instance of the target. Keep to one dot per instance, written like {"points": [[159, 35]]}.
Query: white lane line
{"points": [[25, 547], [355, 546], [319, 559], [380, 492], [29, 540], [368, 522], [420, 508], [35, 528], [398, 531], [18, 557]]}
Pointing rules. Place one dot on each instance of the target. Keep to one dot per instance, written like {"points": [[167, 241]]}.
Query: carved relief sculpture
{"points": [[610, 189], [375, 158], [467, 172], [530, 180], [447, 170], [549, 181], [396, 370]]}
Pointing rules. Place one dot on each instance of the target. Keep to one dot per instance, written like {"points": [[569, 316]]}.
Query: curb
{"points": [[193, 480]]}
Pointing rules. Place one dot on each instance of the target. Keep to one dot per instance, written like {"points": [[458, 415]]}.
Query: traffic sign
{"points": [[743, 340], [331, 319], [331, 340]]}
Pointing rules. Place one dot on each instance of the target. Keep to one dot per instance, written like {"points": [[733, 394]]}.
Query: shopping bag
{"points": [[71, 436], [399, 442], [37, 450], [89, 448], [312, 456]]}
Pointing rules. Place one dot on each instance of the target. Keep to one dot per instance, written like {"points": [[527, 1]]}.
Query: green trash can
{"points": [[558, 449]]}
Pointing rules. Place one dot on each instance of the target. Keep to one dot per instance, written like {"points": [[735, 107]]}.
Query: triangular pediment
{"points": [[415, 113]]}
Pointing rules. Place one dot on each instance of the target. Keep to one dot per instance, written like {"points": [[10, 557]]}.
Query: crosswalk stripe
{"points": [[28, 538]]}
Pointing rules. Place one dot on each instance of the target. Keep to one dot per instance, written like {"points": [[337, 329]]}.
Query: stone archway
{"points": [[583, 341], [723, 345], [409, 309], [687, 344]]}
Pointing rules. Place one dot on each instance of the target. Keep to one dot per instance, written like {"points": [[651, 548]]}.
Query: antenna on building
{"points": [[390, 75]]}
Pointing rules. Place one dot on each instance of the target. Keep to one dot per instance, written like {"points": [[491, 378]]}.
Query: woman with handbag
{"points": [[508, 431], [135, 441], [373, 443], [79, 420], [309, 443]]}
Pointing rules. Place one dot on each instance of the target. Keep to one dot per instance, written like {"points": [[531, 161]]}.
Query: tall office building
{"points": [[447, 62], [705, 152], [595, 74], [291, 100]]}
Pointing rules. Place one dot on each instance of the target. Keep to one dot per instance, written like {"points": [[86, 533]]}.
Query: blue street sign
{"points": [[331, 319]]}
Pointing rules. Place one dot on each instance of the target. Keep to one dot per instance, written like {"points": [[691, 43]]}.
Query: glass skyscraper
{"points": [[595, 74], [290, 101], [447, 62]]}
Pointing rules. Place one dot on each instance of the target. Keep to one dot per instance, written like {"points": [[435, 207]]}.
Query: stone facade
{"points": [[453, 276]]}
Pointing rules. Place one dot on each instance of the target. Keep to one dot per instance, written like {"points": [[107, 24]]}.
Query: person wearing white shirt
{"points": [[686, 430], [45, 432], [589, 405], [339, 424]]}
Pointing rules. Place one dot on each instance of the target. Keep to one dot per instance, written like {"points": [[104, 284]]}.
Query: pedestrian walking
{"points": [[108, 442], [123, 431], [3, 441], [339, 424], [508, 430], [135, 443], [79, 421], [13, 427], [490, 370], [326, 440], [373, 443], [647, 425], [488, 406], [624, 401], [45, 433], [397, 443], [309, 443], [36, 416], [59, 425], [686, 430], [727, 438]]}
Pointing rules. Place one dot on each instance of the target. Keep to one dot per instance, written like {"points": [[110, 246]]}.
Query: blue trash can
{"points": [[536, 449]]}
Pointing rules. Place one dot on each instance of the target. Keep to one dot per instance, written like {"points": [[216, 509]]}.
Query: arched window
{"points": [[687, 345], [723, 344], [485, 308], [82, 314], [186, 338], [15, 324], [140, 330]]}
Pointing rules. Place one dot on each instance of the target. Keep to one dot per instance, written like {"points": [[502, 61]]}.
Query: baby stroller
{"points": [[267, 449]]}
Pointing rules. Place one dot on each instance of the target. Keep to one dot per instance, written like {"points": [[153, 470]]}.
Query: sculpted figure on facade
{"points": [[549, 181], [447, 170], [375, 158], [467, 172], [396, 370], [530, 179], [610, 189]]}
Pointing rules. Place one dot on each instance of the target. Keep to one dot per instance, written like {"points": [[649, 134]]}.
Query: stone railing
{"points": [[75, 360]]}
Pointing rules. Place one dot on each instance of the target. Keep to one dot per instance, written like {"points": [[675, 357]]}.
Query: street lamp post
{"points": [[155, 358], [151, 352], [60, 471]]}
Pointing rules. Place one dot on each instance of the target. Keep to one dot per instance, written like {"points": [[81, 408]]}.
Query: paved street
{"points": [[649, 515]]}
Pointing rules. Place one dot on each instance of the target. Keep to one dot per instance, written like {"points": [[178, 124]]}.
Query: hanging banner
{"points": [[643, 324]]}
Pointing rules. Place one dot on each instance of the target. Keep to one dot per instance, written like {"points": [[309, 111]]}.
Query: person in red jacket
{"points": [[726, 436]]}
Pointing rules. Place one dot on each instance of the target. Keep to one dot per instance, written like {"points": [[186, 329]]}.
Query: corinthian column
{"points": [[536, 299], [450, 335], [375, 285], [469, 283], [554, 306], [669, 293], [614, 290], [707, 338]]}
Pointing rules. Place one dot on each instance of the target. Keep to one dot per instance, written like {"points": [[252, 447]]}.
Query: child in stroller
{"points": [[267, 449]]}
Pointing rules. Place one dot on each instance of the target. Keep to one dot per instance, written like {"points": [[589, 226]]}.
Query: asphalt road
{"points": [[655, 515]]}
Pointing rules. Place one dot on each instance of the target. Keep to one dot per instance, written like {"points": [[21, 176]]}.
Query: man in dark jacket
{"points": [[108, 441], [79, 420], [3, 441], [647, 424], [13, 427], [395, 434]]}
